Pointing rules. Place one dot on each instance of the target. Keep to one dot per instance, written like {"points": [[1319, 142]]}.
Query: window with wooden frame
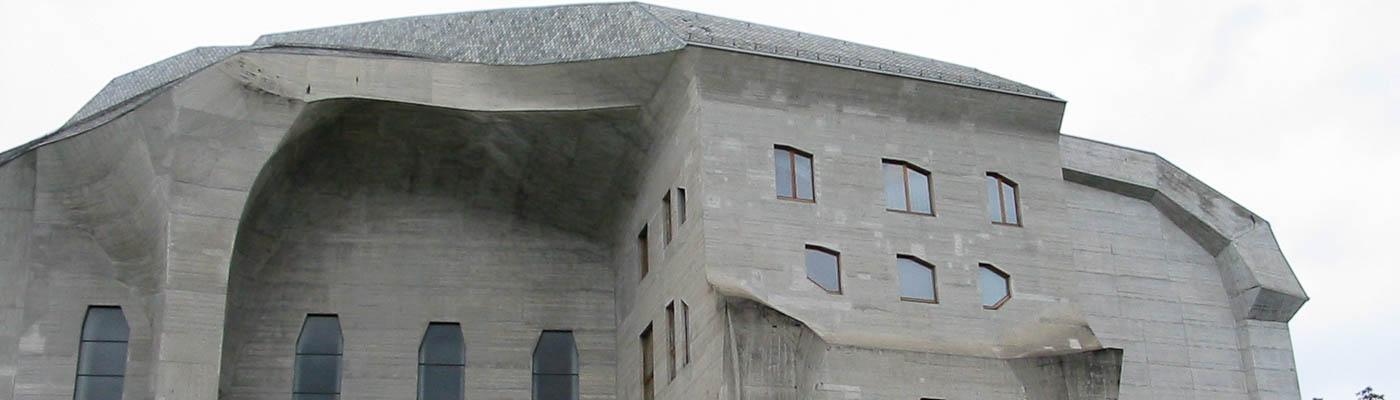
{"points": [[917, 280], [907, 188], [643, 256], [824, 268], [995, 286], [102, 349], [666, 218], [1003, 200], [685, 330], [680, 204], [671, 340], [648, 372], [792, 169]]}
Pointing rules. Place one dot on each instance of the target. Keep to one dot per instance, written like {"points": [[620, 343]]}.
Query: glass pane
{"points": [[919, 193], [98, 388], [992, 285], [993, 199], [442, 344], [894, 187], [440, 382], [555, 353], [822, 268], [1008, 199], [317, 374], [556, 387], [915, 280], [782, 172], [105, 323], [320, 335], [102, 358], [309, 396], [804, 177], [680, 204]]}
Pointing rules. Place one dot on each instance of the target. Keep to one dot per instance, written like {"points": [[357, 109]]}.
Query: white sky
{"points": [[1284, 106]]}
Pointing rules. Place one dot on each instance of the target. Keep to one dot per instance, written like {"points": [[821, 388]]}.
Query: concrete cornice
{"points": [[1258, 278]]}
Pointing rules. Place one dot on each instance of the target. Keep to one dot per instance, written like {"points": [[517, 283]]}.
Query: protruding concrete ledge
{"points": [[1090, 375], [1259, 281]]}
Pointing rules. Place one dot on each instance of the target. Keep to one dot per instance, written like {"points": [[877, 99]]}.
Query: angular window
{"points": [[671, 338], [792, 168], [1003, 200], [917, 281], [319, 349], [685, 329], [666, 210], [648, 373], [907, 188], [643, 258], [680, 204], [102, 354], [995, 286], [824, 268], [442, 362], [555, 367]]}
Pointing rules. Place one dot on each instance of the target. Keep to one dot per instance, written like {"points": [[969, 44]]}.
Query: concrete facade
{"points": [[221, 196]]}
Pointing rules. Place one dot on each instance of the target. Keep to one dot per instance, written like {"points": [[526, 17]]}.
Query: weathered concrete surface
{"points": [[397, 191]]}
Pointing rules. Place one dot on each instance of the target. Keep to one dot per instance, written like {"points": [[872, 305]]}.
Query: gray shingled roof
{"points": [[531, 36]]}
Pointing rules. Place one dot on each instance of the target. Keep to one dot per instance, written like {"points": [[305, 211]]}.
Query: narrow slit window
{"points": [[680, 204], [643, 258], [792, 169], [995, 286], [685, 329], [555, 367], [666, 218], [102, 354], [671, 339], [1003, 200], [316, 375], [442, 362], [917, 281], [648, 371], [824, 268], [907, 188]]}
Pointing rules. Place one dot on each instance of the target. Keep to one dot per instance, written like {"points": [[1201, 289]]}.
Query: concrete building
{"points": [[615, 201]]}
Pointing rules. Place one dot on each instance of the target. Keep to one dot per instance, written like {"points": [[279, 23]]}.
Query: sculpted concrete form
{"points": [[494, 169]]}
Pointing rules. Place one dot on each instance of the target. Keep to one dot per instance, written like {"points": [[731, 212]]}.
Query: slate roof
{"points": [[532, 36]]}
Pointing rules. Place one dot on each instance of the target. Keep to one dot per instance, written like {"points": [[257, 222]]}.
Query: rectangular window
{"points": [[1003, 200], [671, 338], [685, 329], [680, 204], [824, 268], [643, 259], [792, 169], [648, 391], [666, 209], [907, 188]]}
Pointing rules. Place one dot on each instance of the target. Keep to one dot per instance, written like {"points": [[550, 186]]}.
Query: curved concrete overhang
{"points": [[1257, 277]]}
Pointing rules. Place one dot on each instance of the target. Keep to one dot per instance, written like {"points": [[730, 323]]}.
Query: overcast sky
{"points": [[1289, 108]]}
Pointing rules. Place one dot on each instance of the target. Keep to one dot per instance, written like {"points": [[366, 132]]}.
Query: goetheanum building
{"points": [[615, 201]]}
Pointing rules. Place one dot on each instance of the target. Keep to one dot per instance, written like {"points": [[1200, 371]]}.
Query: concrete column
{"points": [[16, 222], [1267, 348]]}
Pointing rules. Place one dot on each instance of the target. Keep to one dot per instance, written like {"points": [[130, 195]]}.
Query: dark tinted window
{"points": [[643, 255], [671, 338], [555, 367], [824, 268], [916, 280], [442, 362], [680, 204], [792, 169], [995, 286], [316, 374], [648, 371], [102, 355], [666, 218]]}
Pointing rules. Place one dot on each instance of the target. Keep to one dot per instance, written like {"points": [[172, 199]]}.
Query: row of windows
{"points": [[917, 278], [908, 188], [320, 347], [675, 361]]}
